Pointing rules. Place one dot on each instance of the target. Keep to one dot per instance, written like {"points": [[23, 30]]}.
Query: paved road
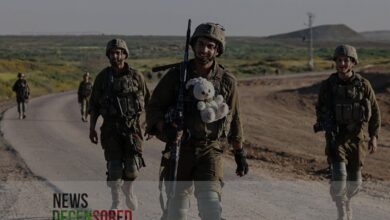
{"points": [[54, 143]]}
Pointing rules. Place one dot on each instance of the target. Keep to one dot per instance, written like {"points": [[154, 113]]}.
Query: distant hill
{"points": [[324, 33], [376, 35]]}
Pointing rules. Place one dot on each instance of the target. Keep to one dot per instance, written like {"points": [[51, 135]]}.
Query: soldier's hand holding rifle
{"points": [[170, 131]]}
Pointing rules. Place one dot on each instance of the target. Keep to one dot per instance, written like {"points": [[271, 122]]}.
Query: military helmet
{"points": [[20, 75], [117, 43], [210, 30], [346, 50]]}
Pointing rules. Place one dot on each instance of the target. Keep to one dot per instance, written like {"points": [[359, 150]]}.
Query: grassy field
{"points": [[56, 63]]}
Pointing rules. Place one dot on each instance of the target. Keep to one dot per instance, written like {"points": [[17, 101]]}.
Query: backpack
{"points": [[22, 90]]}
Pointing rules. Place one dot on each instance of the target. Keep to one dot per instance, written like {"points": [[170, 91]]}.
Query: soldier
{"points": [[346, 104], [83, 94], [200, 160], [22, 91], [119, 95]]}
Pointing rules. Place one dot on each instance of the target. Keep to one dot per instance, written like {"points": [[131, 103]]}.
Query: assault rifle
{"points": [[176, 117], [127, 128], [174, 122], [328, 124]]}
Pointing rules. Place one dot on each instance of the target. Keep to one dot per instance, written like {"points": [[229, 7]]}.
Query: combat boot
{"points": [[341, 210], [131, 199], [115, 196]]}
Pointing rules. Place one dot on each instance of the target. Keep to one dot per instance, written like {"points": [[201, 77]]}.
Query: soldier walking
{"points": [[119, 95], [200, 156], [83, 94], [22, 91], [346, 105]]}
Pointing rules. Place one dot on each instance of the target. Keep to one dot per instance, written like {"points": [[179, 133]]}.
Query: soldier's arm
{"points": [[162, 97], [14, 87], [79, 89], [28, 90], [28, 87], [146, 92], [94, 107], [374, 122], [93, 119], [96, 95], [323, 101], [235, 136]]}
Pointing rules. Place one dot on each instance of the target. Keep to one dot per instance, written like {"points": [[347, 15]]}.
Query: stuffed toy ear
{"points": [[192, 82]]}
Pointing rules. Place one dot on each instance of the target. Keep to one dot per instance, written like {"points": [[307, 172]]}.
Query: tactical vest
{"points": [[350, 105], [123, 95], [193, 122], [86, 89], [22, 91]]}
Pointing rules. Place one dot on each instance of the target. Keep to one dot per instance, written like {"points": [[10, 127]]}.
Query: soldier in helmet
{"points": [[200, 160], [119, 95], [22, 91], [83, 94], [346, 105]]}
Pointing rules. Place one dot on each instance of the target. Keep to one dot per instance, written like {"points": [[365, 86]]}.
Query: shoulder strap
{"points": [[218, 78], [109, 81]]}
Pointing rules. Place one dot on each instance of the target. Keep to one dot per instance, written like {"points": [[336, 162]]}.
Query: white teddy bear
{"points": [[211, 108]]}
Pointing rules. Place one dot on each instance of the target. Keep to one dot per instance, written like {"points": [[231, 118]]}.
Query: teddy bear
{"points": [[211, 107]]}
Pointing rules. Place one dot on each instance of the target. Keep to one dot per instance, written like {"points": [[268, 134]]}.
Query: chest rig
{"points": [[22, 90], [123, 96], [350, 105], [193, 122], [86, 89]]}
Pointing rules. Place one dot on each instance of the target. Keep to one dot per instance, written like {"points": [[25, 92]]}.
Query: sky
{"points": [[169, 17]]}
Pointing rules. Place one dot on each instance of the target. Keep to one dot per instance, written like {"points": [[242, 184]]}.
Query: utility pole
{"points": [[310, 25]]}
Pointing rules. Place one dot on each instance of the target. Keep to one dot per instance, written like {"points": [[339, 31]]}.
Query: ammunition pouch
{"points": [[349, 113], [350, 105]]}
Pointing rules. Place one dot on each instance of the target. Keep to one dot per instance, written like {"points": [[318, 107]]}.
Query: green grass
{"points": [[56, 63]]}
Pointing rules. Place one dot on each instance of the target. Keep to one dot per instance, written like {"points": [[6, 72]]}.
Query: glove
{"points": [[93, 136], [242, 165]]}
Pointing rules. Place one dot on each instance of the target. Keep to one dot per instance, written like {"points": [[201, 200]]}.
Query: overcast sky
{"points": [[169, 17]]}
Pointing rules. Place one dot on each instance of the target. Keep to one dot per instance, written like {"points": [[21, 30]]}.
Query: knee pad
{"points": [[115, 170], [209, 205], [178, 207], [339, 180], [339, 171], [130, 170]]}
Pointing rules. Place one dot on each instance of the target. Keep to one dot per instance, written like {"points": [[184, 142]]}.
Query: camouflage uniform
{"points": [[120, 98], [22, 91], [201, 156], [83, 94], [351, 106]]}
